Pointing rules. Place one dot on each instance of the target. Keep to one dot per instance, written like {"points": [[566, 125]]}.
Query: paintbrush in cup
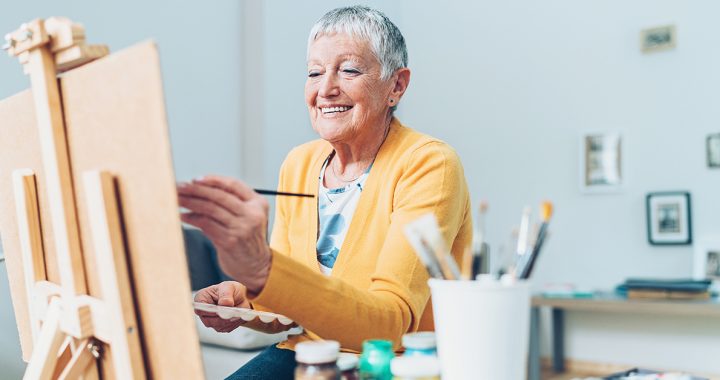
{"points": [[472, 263], [546, 213]]}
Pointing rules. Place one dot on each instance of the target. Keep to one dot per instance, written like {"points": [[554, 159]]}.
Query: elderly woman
{"points": [[339, 264]]}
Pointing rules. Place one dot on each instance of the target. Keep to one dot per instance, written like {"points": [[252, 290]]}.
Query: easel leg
{"points": [[110, 256], [64, 356], [44, 356], [79, 362], [33, 256]]}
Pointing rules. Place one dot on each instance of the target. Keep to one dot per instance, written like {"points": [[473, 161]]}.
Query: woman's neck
{"points": [[351, 160]]}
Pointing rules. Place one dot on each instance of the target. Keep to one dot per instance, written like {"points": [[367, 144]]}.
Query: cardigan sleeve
{"points": [[432, 181]]}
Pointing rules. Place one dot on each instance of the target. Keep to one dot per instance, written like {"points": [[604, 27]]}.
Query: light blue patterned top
{"points": [[335, 211]]}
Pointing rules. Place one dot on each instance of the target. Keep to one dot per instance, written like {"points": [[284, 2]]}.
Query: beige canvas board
{"points": [[115, 121]]}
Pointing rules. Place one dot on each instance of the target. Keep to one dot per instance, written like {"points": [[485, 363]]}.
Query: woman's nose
{"points": [[329, 85]]}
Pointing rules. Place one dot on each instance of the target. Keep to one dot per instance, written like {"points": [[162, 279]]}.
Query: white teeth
{"points": [[334, 109]]}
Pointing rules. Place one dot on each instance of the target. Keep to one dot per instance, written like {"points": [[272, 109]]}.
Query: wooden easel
{"points": [[65, 321], [76, 334]]}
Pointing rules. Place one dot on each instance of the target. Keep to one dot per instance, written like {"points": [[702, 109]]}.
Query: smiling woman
{"points": [[340, 266]]}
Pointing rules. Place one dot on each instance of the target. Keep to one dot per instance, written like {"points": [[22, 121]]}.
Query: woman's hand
{"points": [[228, 293], [234, 218]]}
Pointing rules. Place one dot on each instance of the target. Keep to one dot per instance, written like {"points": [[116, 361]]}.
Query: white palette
{"points": [[226, 312]]}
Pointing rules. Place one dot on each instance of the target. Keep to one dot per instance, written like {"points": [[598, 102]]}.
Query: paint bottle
{"points": [[317, 360], [417, 367], [348, 364], [420, 344], [375, 360]]}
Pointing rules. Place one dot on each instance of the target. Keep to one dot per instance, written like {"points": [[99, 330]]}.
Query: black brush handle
{"points": [[283, 193], [527, 269]]}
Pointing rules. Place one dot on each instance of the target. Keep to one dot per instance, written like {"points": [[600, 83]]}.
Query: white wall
{"points": [[511, 85], [200, 48]]}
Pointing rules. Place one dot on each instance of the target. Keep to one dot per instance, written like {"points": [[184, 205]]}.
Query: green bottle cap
{"points": [[375, 360]]}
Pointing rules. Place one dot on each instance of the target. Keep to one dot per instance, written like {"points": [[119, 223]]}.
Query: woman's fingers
{"points": [[209, 226], [221, 325], [217, 195], [233, 186], [206, 207], [227, 293]]}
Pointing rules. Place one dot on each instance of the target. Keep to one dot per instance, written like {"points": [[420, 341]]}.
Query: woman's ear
{"points": [[401, 82]]}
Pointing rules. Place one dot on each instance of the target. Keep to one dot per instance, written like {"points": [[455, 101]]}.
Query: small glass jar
{"points": [[419, 343], [416, 367], [317, 360], [348, 364], [375, 360]]}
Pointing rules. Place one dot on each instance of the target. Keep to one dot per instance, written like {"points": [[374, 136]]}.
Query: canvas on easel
{"points": [[124, 201]]}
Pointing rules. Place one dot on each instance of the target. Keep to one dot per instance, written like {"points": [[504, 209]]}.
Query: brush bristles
{"points": [[483, 207], [546, 211]]}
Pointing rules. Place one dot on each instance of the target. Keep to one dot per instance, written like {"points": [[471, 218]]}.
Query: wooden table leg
{"points": [[534, 355], [558, 331]]}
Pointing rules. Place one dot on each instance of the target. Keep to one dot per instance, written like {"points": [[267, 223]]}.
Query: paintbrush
{"points": [[472, 263], [283, 193], [424, 234], [523, 233], [546, 213], [423, 250]]}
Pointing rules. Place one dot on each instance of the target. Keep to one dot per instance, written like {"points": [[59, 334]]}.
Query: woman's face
{"points": [[345, 96]]}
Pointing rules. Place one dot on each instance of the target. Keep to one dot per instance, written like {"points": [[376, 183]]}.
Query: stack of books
{"points": [[680, 289], [644, 374]]}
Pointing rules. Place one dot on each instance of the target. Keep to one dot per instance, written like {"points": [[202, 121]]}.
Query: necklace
{"points": [[332, 167]]}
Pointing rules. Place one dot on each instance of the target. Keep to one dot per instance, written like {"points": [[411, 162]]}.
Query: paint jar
{"points": [[317, 360], [419, 343], [348, 364], [417, 367], [375, 360]]}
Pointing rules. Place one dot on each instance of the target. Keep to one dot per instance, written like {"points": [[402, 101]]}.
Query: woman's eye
{"points": [[313, 74], [351, 71]]}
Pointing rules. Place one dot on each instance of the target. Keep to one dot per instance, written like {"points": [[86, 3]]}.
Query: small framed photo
{"points": [[658, 39], [713, 150], [706, 259], [668, 218], [601, 166]]}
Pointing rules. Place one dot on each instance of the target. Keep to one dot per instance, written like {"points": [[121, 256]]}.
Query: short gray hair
{"points": [[386, 41]]}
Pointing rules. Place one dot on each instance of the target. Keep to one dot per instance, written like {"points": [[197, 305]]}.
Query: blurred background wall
{"points": [[510, 84]]}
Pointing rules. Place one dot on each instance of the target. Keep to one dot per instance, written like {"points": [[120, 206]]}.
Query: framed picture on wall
{"points": [[713, 150], [669, 218], [706, 259], [601, 166]]}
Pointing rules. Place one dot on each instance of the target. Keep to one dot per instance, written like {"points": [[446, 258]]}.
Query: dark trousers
{"points": [[271, 364]]}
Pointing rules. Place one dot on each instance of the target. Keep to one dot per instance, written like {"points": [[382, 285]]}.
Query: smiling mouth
{"points": [[334, 110]]}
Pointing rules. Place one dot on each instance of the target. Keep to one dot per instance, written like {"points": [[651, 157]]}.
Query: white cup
{"points": [[482, 329]]}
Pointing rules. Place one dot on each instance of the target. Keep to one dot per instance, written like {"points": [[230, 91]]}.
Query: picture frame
{"points": [[712, 147], [601, 162], [669, 218], [706, 259], [657, 39]]}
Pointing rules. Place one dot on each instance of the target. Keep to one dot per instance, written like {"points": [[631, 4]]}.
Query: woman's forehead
{"points": [[340, 46]]}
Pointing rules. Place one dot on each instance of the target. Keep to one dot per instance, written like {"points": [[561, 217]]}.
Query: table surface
{"points": [[611, 302]]}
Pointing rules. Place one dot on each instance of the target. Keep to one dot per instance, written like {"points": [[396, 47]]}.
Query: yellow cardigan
{"points": [[378, 287]]}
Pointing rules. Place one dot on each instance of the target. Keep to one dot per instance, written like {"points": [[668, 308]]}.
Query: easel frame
{"points": [[82, 326]]}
